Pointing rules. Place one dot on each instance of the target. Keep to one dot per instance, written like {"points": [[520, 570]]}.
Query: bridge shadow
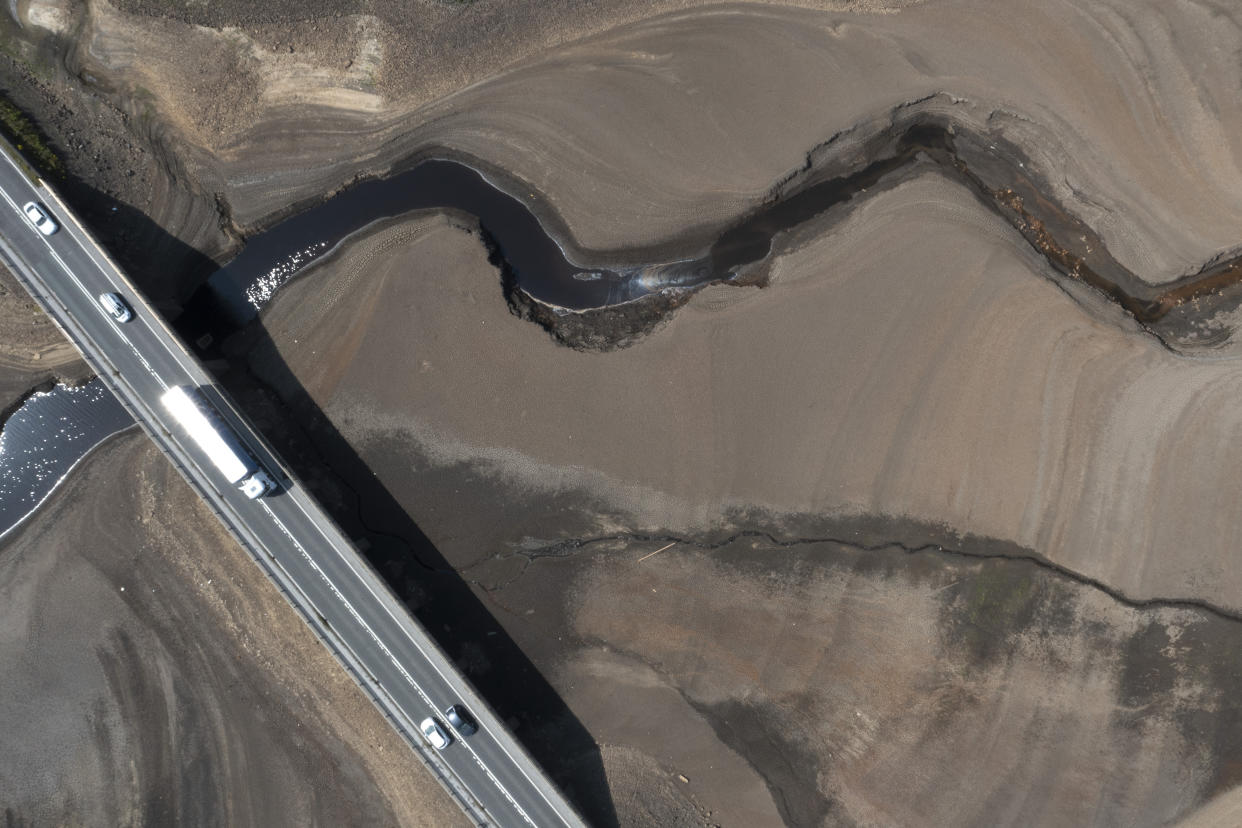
{"points": [[166, 268], [172, 274], [417, 572]]}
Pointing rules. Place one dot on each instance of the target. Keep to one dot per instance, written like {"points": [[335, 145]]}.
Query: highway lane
{"points": [[297, 544]]}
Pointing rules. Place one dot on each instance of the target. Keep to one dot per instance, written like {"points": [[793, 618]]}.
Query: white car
{"points": [[116, 307], [435, 733], [39, 217]]}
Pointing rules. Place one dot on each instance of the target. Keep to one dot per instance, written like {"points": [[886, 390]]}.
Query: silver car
{"points": [[116, 307], [40, 218], [435, 733]]}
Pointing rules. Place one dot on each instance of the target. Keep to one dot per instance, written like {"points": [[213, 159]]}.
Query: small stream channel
{"points": [[53, 431], [235, 293], [273, 257]]}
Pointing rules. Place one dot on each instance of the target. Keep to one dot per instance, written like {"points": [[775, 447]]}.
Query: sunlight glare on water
{"points": [[265, 286], [44, 438]]}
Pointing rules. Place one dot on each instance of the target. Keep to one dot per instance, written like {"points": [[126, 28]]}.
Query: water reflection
{"points": [[270, 259], [43, 440]]}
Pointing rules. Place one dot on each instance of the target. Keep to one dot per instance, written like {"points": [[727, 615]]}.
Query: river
{"points": [[53, 431]]}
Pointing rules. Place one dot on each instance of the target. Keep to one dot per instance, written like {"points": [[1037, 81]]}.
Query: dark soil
{"points": [[151, 675]]}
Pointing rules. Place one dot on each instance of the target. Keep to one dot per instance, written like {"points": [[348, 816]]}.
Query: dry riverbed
{"points": [[917, 511], [212, 122]]}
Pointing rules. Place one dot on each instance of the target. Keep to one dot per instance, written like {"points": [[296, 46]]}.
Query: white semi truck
{"points": [[218, 441]]}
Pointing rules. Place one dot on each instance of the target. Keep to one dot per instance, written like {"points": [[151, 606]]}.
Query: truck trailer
{"points": [[218, 440]]}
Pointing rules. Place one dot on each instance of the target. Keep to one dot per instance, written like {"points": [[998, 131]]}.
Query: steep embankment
{"points": [[32, 351]]}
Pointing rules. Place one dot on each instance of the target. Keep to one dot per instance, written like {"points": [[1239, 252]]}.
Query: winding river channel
{"points": [[53, 430], [272, 258], [236, 292], [996, 172]]}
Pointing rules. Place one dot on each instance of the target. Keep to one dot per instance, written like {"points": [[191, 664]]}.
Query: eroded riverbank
{"points": [[1163, 199], [543, 284]]}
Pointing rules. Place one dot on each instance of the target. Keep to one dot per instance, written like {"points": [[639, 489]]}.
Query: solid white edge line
{"points": [[392, 658], [177, 358], [423, 653], [88, 294]]}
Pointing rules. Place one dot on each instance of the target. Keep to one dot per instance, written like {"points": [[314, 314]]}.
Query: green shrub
{"points": [[29, 141]]}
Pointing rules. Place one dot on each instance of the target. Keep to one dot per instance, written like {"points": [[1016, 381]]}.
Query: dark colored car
{"points": [[461, 720]]}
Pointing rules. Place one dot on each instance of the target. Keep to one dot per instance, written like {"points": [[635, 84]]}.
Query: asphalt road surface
{"points": [[319, 570]]}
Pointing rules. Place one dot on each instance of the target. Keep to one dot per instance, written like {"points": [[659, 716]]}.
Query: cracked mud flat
{"points": [[152, 676], [862, 687], [947, 379]]}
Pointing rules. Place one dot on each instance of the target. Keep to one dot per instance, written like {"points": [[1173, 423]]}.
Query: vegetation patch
{"points": [[29, 141]]}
